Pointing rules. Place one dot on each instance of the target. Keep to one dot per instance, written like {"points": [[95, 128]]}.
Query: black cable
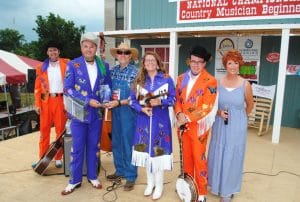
{"points": [[15, 171], [19, 171], [271, 175], [116, 184]]}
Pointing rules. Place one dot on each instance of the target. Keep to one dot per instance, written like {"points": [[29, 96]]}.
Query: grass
{"points": [[27, 99]]}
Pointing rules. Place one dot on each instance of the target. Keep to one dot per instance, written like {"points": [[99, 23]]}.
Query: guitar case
{"points": [[44, 162]]}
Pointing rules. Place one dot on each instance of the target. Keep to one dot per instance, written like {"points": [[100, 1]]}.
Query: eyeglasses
{"points": [[126, 52], [193, 62], [150, 61]]}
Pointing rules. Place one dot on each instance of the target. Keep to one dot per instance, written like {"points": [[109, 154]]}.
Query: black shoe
{"points": [[114, 177], [129, 185], [33, 165]]}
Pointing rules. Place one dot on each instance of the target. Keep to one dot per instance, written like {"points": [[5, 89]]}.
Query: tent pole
{"points": [[7, 107]]}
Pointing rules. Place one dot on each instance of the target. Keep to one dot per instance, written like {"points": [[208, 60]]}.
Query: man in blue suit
{"points": [[84, 77]]}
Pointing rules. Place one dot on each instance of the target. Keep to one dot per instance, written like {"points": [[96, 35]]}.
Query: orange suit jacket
{"points": [[42, 82], [201, 99]]}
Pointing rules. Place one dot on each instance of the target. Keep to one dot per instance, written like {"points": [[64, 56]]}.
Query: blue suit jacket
{"points": [[77, 85]]}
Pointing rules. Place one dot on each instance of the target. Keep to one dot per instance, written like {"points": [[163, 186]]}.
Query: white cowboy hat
{"points": [[89, 36]]}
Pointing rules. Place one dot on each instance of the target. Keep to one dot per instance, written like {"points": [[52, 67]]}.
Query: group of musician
{"points": [[139, 101]]}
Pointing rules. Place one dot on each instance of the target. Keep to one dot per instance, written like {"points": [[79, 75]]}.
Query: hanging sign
{"points": [[221, 10], [273, 57], [293, 70]]}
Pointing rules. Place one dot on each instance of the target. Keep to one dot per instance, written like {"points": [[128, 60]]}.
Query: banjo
{"points": [[186, 187]]}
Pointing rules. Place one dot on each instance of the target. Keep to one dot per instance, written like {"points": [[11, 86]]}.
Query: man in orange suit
{"points": [[49, 99], [195, 109]]}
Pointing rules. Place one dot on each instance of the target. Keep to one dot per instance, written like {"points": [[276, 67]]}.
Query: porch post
{"points": [[173, 57], [173, 64], [284, 48]]}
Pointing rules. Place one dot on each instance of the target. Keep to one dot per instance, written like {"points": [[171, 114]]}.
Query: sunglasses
{"points": [[126, 52]]}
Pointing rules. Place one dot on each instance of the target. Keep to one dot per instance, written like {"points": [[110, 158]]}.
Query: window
{"points": [[161, 50], [119, 14]]}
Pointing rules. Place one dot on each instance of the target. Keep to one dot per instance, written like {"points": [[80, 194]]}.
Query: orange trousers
{"points": [[52, 112], [194, 159]]}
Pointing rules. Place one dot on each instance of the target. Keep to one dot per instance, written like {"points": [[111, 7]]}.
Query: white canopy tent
{"points": [[13, 71]]}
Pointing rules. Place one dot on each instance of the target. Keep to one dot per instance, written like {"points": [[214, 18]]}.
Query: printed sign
{"points": [[211, 10], [293, 70], [249, 47], [264, 91], [273, 57]]}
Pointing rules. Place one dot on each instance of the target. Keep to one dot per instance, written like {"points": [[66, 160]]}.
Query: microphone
{"points": [[226, 112]]}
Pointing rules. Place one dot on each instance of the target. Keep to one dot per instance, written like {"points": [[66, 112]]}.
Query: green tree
{"points": [[10, 40], [29, 49], [55, 28]]}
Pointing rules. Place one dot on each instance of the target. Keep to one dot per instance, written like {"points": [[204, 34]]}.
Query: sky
{"points": [[21, 14]]}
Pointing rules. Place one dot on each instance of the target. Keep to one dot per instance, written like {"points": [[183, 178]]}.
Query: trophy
{"points": [[105, 97], [105, 93]]}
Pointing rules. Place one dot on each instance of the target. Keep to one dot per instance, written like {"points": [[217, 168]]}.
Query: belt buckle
{"points": [[52, 94]]}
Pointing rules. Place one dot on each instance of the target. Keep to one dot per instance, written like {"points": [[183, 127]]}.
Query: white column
{"points": [[173, 65], [284, 48], [173, 57], [129, 14]]}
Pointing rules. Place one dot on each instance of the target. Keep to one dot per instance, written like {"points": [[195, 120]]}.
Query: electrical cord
{"points": [[24, 170], [266, 174], [112, 189], [14, 171], [116, 184], [271, 175]]}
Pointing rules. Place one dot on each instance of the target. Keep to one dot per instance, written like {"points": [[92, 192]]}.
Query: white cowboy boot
{"points": [[150, 183], [159, 184]]}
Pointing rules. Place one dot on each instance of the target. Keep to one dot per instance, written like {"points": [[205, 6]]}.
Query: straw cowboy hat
{"points": [[123, 47]]}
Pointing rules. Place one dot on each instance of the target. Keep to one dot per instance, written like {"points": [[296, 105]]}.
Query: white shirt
{"points": [[230, 89], [191, 83], [55, 78], [92, 71]]}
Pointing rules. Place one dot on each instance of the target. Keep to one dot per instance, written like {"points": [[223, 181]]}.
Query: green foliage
{"points": [[55, 28], [49, 28], [28, 49], [10, 40], [27, 99]]}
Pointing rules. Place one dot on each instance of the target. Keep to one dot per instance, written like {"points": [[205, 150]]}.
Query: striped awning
{"points": [[14, 68]]}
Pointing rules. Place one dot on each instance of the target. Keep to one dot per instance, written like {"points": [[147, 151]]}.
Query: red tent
{"points": [[14, 68], [13, 71]]}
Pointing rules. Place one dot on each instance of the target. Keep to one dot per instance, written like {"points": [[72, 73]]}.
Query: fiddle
{"points": [[145, 99]]}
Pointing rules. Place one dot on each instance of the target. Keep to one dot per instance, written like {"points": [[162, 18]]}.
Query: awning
{"points": [[14, 68]]}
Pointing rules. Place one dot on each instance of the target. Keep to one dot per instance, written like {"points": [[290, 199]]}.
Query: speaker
{"points": [[67, 157], [2, 105], [15, 94], [25, 127], [12, 109], [31, 74]]}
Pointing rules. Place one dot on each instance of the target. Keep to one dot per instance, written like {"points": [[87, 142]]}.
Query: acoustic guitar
{"points": [[186, 187], [44, 162]]}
